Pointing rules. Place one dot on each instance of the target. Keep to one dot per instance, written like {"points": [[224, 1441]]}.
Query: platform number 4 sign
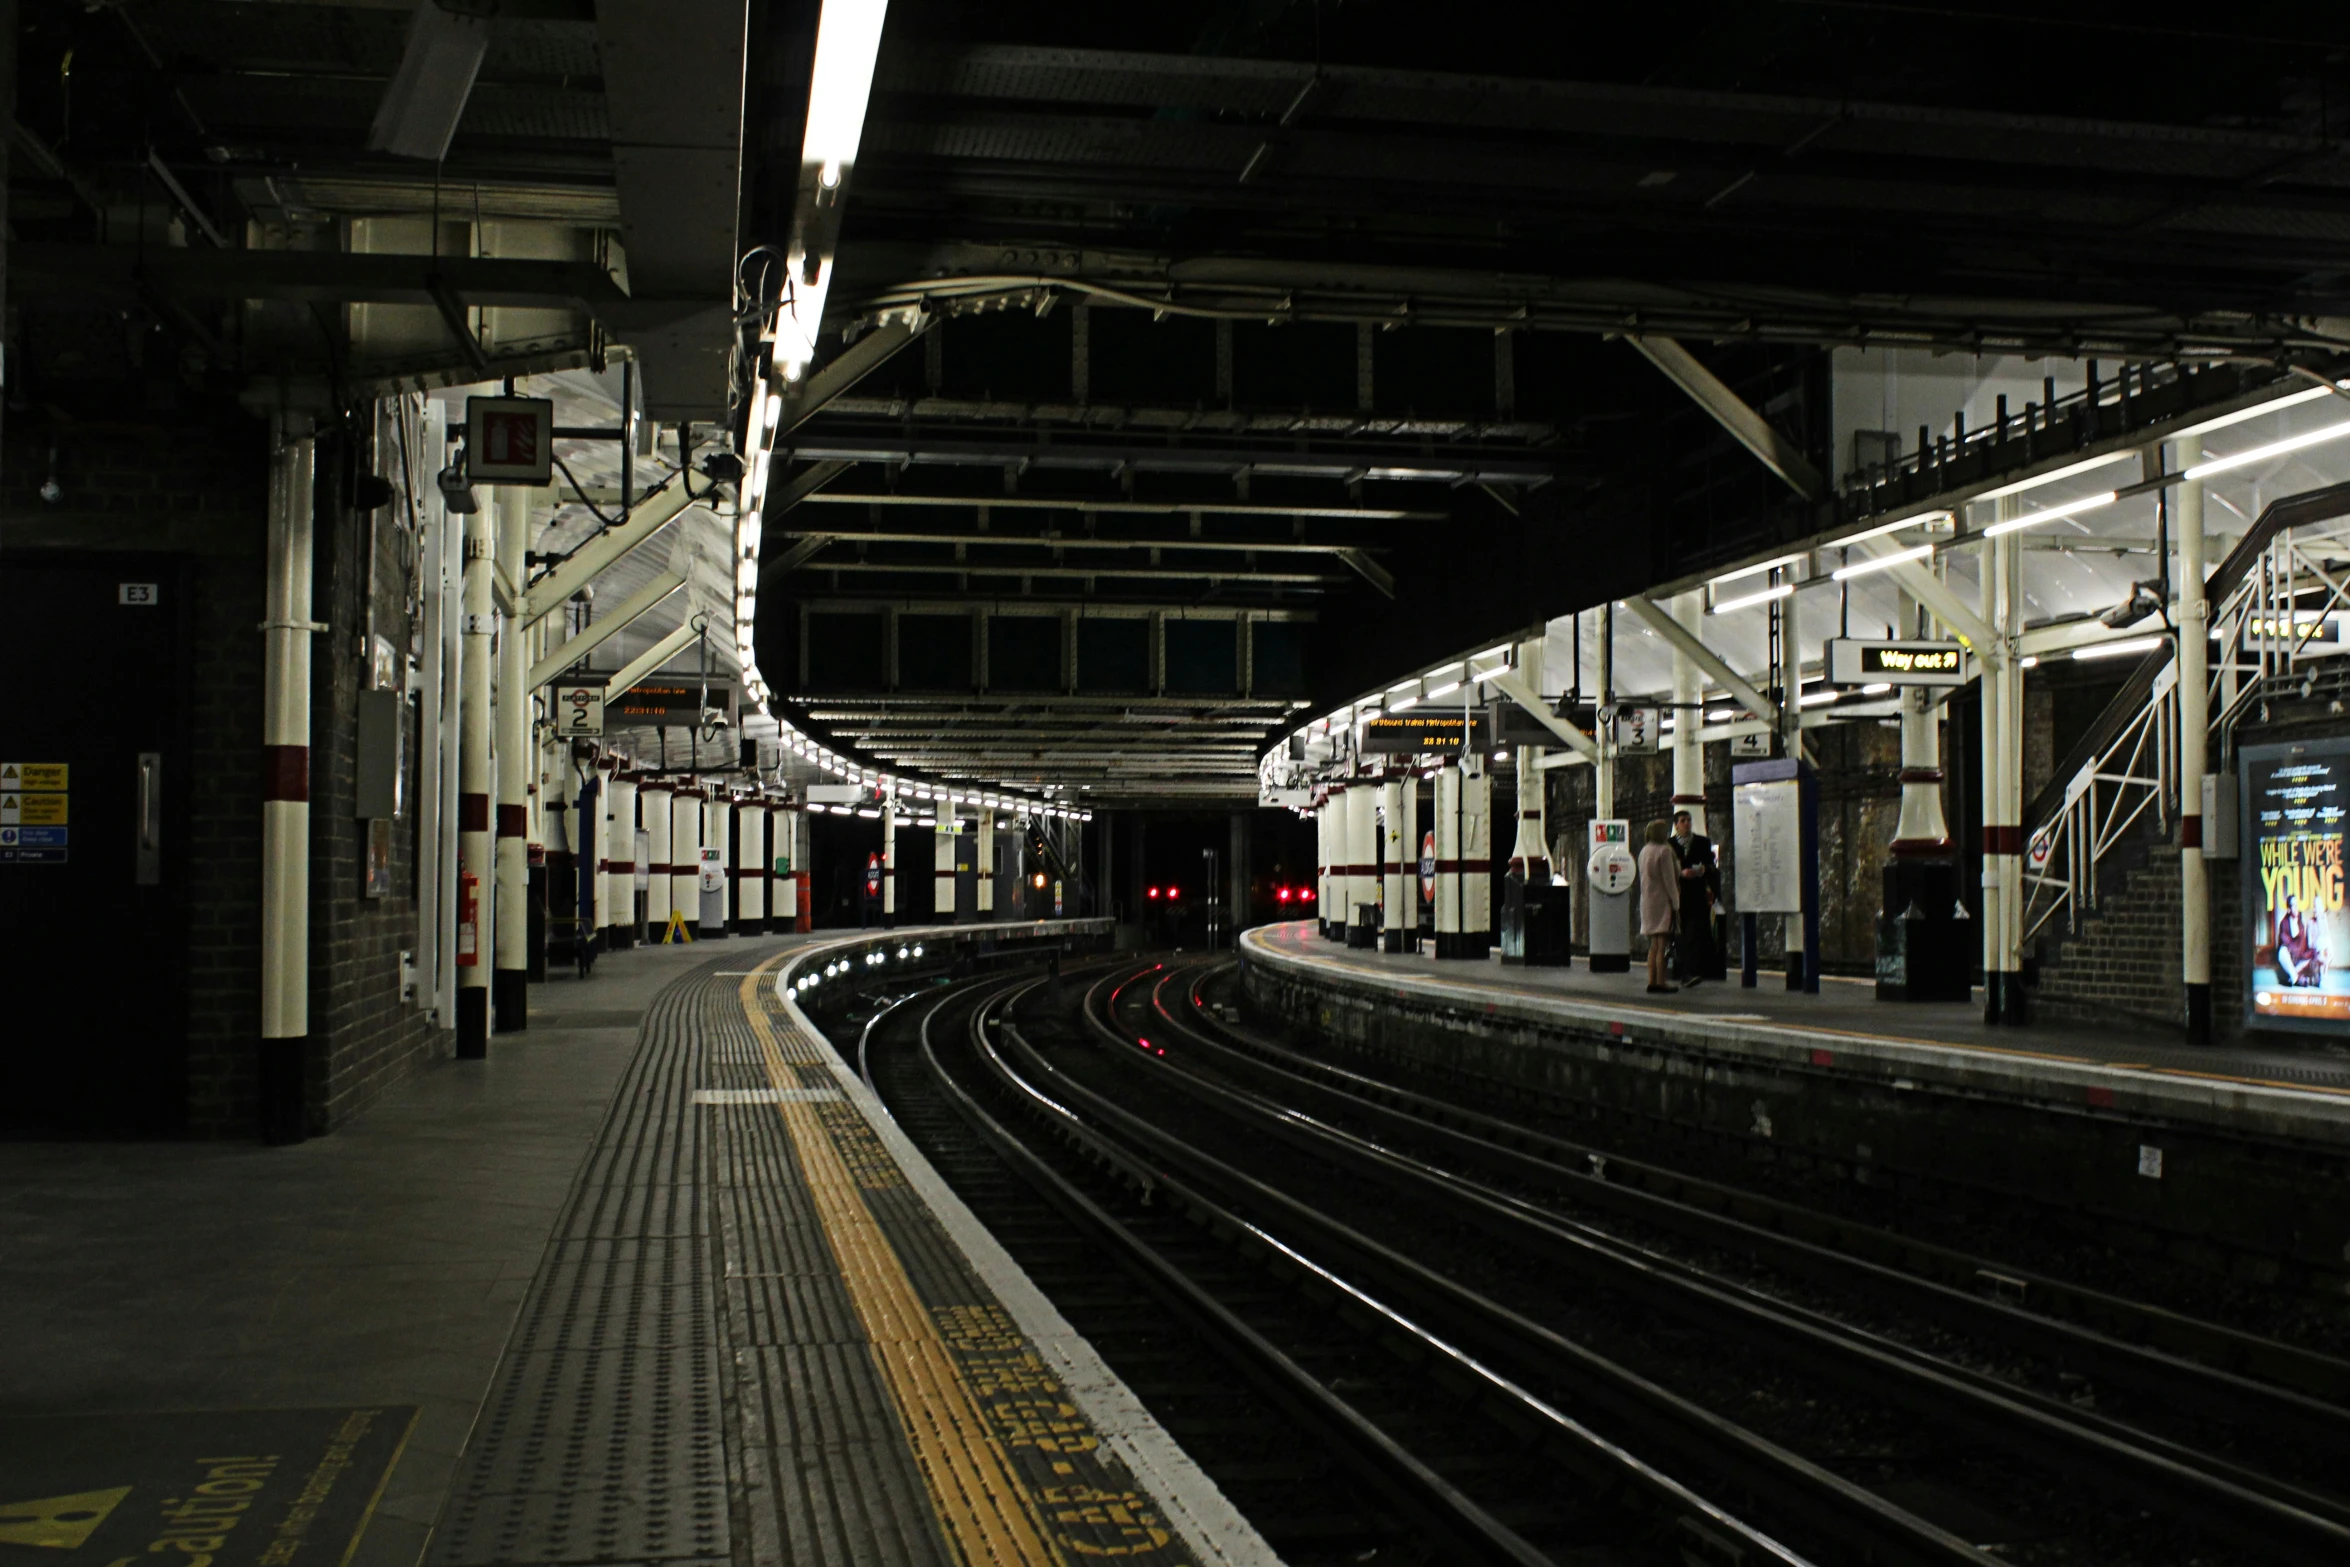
{"points": [[579, 709]]}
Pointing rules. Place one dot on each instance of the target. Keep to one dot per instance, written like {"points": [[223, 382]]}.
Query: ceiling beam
{"points": [[1748, 428], [596, 633], [1139, 508]]}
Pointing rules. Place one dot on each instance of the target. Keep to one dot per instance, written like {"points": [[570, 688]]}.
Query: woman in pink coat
{"points": [[1660, 897]]}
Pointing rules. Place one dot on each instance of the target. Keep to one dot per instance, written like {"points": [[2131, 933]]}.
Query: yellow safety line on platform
{"points": [[1535, 993], [979, 1501]]}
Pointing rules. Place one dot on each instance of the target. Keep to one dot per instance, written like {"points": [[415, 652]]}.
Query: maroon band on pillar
{"points": [[513, 821], [2003, 838], [285, 772], [473, 813], [2191, 832]]}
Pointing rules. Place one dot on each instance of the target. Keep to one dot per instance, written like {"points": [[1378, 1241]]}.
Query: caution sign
{"points": [[40, 777], [237, 1488], [32, 810]]}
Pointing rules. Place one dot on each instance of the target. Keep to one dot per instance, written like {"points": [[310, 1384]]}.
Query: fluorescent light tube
{"points": [[2068, 509], [1781, 591], [2291, 443], [2117, 649], [1876, 563]]}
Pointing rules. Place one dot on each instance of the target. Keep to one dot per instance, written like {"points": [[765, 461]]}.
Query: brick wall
{"points": [[224, 957], [2124, 960], [363, 1037]]}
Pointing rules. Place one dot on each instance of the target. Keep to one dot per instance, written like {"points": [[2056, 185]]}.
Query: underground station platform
{"points": [[661, 1282]]}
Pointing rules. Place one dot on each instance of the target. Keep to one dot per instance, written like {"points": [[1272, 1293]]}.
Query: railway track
{"points": [[1398, 1327], [1505, 1184]]}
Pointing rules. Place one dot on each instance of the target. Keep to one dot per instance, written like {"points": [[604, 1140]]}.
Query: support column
{"points": [[2003, 1000], [510, 977], [717, 908], [783, 901], [476, 777], [1236, 878], [599, 924], [685, 856], [1530, 848], [942, 867], [750, 867], [983, 865], [2194, 658], [1791, 746], [1324, 857], [1447, 826], [285, 791], [1411, 860], [2011, 751], [536, 748], [1362, 861], [889, 860], [655, 800], [623, 926], [1688, 716], [1396, 927], [1603, 771], [1476, 858]]}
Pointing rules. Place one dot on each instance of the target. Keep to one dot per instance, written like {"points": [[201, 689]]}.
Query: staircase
{"points": [[2123, 959]]}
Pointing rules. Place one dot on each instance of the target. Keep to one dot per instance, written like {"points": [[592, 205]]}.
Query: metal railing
{"points": [[2272, 598]]}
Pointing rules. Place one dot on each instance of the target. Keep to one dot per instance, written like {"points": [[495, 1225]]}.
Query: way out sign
{"points": [[579, 709]]}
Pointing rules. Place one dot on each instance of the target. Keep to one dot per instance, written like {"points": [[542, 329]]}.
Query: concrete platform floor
{"points": [[382, 1264], [1851, 1006]]}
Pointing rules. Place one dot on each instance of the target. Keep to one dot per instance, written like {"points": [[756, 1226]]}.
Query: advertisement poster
{"points": [[2296, 799]]}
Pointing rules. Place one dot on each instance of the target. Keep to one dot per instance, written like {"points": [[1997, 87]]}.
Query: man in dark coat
{"points": [[1701, 880]]}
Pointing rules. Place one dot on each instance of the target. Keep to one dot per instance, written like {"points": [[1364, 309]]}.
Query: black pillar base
{"points": [[1610, 962], [1463, 943], [510, 999], [2199, 1014], [535, 943], [2011, 1001], [279, 1091], [1399, 941], [473, 1023], [1794, 971], [705, 930]]}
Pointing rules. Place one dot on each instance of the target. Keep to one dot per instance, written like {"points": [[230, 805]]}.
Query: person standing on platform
{"points": [[1701, 877], [1660, 898]]}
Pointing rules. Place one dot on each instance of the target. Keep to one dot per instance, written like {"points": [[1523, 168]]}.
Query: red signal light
{"points": [[1174, 892], [1283, 895], [1154, 892], [1305, 894]]}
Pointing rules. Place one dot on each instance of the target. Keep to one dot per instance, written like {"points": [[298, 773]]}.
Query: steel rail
{"points": [[1838, 1509], [2166, 1475], [2219, 1368], [1431, 1499]]}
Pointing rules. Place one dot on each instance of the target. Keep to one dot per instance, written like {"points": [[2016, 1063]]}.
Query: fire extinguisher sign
{"points": [[468, 920]]}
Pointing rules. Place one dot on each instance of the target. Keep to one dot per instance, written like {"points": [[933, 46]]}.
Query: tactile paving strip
{"points": [[601, 1441]]}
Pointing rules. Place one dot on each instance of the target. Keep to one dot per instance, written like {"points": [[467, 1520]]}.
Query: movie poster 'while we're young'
{"points": [[2300, 929]]}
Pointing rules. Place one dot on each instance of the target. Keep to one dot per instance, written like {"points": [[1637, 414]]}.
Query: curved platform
{"points": [[659, 1283], [2234, 1156]]}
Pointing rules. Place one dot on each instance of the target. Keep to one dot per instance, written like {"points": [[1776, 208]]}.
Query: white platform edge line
{"points": [[2304, 1105], [1195, 1505]]}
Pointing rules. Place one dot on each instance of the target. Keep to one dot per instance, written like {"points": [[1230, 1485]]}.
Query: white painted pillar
{"points": [[984, 862], [1476, 858], [477, 776], [889, 859], [621, 923], [599, 851], [2002, 782], [510, 978], [1395, 913], [750, 859], [1446, 805], [1603, 770], [2194, 657], [1791, 746], [1410, 829], [783, 900], [1324, 900], [1530, 847], [1688, 715], [285, 791], [717, 833], [1921, 832], [1362, 857], [685, 856], [656, 801], [942, 866]]}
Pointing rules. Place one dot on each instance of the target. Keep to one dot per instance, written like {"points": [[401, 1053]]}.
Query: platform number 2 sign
{"points": [[579, 710]]}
